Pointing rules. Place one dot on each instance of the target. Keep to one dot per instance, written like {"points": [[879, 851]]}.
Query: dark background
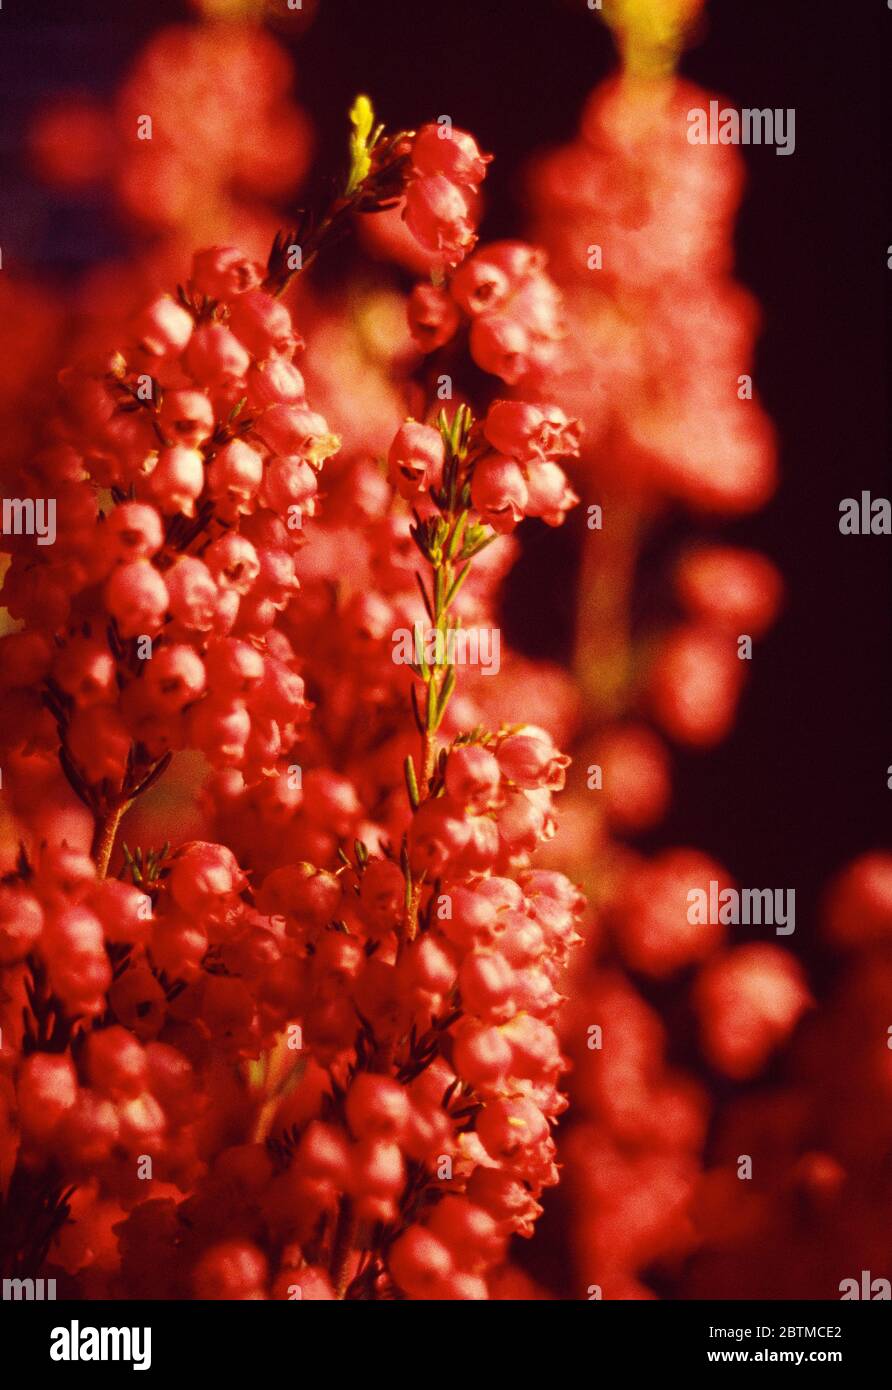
{"points": [[800, 786]]}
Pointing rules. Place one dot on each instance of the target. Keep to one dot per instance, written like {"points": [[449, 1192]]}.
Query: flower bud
{"points": [[433, 316], [499, 492], [164, 328], [192, 593], [415, 459], [450, 152], [263, 324], [438, 214], [136, 597], [234, 477], [222, 272], [530, 759], [186, 417], [175, 676], [134, 532], [177, 479], [215, 357], [472, 775]]}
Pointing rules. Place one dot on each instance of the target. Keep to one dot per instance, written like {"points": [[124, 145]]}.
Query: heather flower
{"points": [[333, 979]]}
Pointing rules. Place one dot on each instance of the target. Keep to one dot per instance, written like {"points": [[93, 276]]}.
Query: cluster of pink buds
{"points": [[638, 223], [504, 941], [510, 306], [813, 1128], [442, 192], [251, 142], [509, 309], [182, 474], [730, 597], [311, 1051], [515, 473]]}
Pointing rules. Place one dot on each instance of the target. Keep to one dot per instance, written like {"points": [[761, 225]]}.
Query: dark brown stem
{"points": [[276, 285], [379, 190]]}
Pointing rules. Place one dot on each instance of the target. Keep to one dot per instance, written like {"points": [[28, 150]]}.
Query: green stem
{"points": [[602, 658], [104, 837]]}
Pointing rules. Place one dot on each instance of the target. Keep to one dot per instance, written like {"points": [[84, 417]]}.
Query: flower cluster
{"points": [[447, 169], [310, 1053], [814, 1130], [511, 309], [515, 472], [182, 464], [205, 121], [697, 673], [311, 1043], [501, 298], [634, 1154], [638, 223]]}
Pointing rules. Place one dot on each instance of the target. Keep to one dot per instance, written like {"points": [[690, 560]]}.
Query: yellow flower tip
{"points": [[651, 33], [362, 118], [322, 448], [237, 10]]}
